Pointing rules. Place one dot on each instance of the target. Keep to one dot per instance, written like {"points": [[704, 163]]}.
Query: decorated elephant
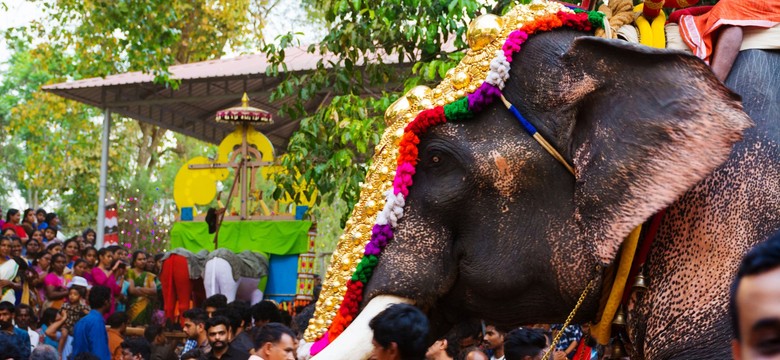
{"points": [[480, 220], [235, 275]]}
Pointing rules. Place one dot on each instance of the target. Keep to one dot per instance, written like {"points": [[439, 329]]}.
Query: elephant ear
{"points": [[649, 125]]}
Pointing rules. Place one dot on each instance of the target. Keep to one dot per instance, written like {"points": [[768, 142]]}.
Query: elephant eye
{"points": [[435, 159]]}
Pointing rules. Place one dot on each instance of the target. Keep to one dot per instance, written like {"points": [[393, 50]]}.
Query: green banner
{"points": [[269, 237]]}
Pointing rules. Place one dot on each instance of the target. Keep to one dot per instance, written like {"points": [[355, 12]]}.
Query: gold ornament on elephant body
{"points": [[485, 36]]}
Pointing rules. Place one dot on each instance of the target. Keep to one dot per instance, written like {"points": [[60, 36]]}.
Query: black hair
{"points": [[217, 320], [152, 331], [99, 296], [103, 251], [271, 333], [58, 255], [217, 301], [233, 316], [49, 217], [244, 310], [135, 257], [80, 289], [86, 356], [49, 316], [79, 261], [523, 342], [88, 249], [7, 305], [87, 231], [9, 213], [38, 256], [266, 311], [25, 306], [196, 315], [40, 211], [404, 325], [72, 239], [137, 346], [50, 228], [763, 258], [117, 319], [24, 215]]}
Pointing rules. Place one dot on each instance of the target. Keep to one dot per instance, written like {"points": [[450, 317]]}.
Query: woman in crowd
{"points": [[71, 250], [37, 235], [16, 247], [28, 221], [8, 271], [41, 266], [105, 274], [80, 268], [13, 219], [31, 249], [142, 291], [54, 283], [89, 237]]}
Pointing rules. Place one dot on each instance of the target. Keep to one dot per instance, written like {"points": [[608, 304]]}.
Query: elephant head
{"points": [[495, 228]]}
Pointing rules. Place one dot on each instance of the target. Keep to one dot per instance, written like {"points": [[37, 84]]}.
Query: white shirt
{"points": [[495, 358]]}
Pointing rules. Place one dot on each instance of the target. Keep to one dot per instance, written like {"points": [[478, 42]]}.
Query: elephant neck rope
{"points": [[554, 16]]}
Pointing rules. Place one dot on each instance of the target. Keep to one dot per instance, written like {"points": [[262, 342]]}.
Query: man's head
{"points": [[233, 317], [524, 344], [194, 323], [494, 338], [218, 331], [755, 303], [213, 303], [244, 310], [100, 298], [274, 341], [265, 312], [23, 316], [6, 315], [399, 333], [449, 346], [136, 348], [154, 334], [118, 321]]}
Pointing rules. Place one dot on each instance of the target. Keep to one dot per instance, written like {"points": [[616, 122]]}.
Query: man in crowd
{"points": [[117, 323], [22, 318], [399, 333], [755, 303], [135, 348], [218, 330], [567, 344], [14, 342], [274, 341], [240, 339], [214, 303], [162, 349], [265, 312], [194, 327], [89, 334], [445, 348], [524, 344], [494, 339]]}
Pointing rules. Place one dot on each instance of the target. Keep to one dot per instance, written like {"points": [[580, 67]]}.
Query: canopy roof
{"points": [[206, 87]]}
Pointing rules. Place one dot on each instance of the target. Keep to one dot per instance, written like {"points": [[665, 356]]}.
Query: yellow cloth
{"points": [[602, 331]]}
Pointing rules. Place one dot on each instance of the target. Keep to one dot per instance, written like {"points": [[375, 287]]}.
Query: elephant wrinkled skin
{"points": [[496, 229]]}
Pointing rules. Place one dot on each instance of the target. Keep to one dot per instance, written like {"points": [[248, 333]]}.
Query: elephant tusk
{"points": [[355, 341]]}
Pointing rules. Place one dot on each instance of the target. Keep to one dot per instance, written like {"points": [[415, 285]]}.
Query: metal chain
{"points": [[568, 320]]}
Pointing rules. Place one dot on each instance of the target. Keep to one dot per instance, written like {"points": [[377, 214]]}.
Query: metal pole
{"points": [[101, 216]]}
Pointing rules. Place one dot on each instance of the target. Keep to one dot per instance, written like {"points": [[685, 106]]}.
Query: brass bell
{"points": [[618, 351], [640, 283], [620, 317]]}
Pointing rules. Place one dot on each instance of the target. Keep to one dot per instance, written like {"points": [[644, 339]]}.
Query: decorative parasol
{"points": [[244, 114]]}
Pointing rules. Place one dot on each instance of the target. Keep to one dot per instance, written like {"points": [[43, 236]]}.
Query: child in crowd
{"points": [[54, 247], [51, 321], [75, 309], [49, 235]]}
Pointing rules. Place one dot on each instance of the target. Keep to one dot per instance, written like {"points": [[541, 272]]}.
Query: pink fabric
{"points": [[99, 277], [53, 279]]}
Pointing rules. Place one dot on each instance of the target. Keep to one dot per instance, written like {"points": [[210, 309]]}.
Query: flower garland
{"points": [[461, 109]]}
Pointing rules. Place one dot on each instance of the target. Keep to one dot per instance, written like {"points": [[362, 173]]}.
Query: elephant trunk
{"points": [[355, 341]]}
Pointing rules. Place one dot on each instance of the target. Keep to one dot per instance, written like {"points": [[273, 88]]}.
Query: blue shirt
{"points": [[16, 345], [89, 335]]}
